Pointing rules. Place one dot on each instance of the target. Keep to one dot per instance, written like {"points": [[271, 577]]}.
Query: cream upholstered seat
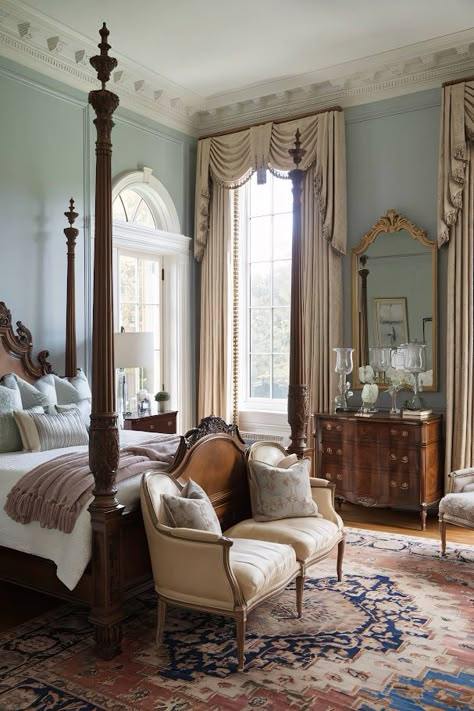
{"points": [[458, 505], [209, 571], [312, 538]]}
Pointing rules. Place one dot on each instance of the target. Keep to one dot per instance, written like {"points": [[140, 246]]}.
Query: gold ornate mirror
{"points": [[394, 292]]}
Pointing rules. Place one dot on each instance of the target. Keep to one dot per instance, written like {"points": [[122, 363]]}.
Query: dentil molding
{"points": [[31, 39]]}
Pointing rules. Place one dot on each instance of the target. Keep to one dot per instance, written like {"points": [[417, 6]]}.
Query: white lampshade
{"points": [[133, 350]]}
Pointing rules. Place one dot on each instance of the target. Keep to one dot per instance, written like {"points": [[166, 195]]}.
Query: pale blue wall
{"points": [[47, 155], [392, 162]]}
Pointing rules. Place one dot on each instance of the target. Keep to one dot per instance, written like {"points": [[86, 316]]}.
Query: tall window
{"points": [[131, 207], [267, 219], [140, 310]]}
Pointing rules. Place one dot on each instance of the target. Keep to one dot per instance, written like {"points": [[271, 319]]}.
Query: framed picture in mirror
{"points": [[391, 321]]}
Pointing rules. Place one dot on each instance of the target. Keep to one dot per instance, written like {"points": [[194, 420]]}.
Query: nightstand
{"points": [[161, 422]]}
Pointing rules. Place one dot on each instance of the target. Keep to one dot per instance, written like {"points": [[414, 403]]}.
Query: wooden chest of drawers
{"points": [[381, 460], [162, 422]]}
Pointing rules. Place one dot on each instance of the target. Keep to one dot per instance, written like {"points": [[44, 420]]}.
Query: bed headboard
{"points": [[16, 349]]}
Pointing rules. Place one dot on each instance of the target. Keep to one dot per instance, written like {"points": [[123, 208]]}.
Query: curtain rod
{"points": [[260, 123], [457, 81]]}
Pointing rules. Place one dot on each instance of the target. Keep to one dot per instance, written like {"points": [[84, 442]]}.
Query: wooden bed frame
{"points": [[120, 566]]}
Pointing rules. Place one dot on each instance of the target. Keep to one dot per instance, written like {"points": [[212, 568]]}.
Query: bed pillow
{"points": [[30, 395], [277, 493], [40, 432], [61, 392], [191, 509]]}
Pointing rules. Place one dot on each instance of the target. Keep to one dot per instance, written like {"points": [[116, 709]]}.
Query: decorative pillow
{"points": [[10, 400], [45, 431], [277, 493], [30, 395], [46, 385], [192, 509], [61, 392], [287, 461]]}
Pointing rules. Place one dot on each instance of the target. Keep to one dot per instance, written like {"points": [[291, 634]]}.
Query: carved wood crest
{"points": [[20, 345]]}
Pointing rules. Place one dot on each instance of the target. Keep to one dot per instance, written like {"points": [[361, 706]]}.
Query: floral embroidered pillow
{"points": [[192, 509], [281, 493]]}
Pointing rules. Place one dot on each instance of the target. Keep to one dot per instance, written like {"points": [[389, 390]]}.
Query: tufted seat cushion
{"points": [[309, 537], [260, 566], [458, 506]]}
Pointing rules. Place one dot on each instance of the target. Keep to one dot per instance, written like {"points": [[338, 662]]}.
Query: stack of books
{"points": [[416, 414]]}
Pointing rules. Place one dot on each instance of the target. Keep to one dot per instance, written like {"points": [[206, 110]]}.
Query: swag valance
{"points": [[457, 129], [230, 161]]}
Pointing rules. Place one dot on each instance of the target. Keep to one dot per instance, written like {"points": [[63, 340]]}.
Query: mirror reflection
{"points": [[394, 292]]}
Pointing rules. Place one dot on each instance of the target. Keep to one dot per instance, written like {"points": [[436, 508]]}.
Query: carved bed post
{"points": [[71, 234], [363, 324], [298, 401], [105, 512]]}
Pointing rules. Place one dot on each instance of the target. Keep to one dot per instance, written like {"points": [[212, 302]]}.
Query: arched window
{"points": [[151, 284]]}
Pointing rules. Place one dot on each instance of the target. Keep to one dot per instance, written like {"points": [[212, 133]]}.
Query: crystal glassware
{"points": [[415, 362], [344, 366], [380, 358]]}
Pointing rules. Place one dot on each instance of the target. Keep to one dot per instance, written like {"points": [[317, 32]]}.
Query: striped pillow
{"points": [[42, 432]]}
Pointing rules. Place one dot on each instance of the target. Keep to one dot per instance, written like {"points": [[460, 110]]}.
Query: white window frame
{"points": [[174, 249], [258, 415]]}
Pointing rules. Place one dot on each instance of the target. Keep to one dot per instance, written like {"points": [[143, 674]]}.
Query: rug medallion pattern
{"points": [[396, 633]]}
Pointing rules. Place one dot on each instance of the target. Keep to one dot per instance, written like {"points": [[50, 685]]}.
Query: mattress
{"points": [[71, 552]]}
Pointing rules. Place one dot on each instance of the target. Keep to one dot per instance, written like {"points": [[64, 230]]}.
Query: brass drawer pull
{"points": [[339, 452], [328, 475], [339, 476], [393, 432], [393, 484], [405, 460], [404, 433], [328, 450], [393, 457], [404, 486], [338, 428], [329, 427]]}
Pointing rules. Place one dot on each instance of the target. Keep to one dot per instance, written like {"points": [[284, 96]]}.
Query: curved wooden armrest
{"points": [[459, 479]]}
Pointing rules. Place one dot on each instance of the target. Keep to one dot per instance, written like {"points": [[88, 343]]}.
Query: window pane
{"points": [[281, 330], [282, 283], [260, 374], [128, 317], [150, 321], [151, 281], [260, 239], [260, 284], [131, 200], [128, 276], [281, 369], [143, 216], [260, 197], [118, 211], [282, 236], [261, 331], [282, 196]]}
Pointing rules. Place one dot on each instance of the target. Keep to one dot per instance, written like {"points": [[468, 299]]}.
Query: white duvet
{"points": [[70, 551]]}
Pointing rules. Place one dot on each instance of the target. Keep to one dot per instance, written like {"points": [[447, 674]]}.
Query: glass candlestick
{"points": [[415, 362], [344, 366], [380, 358]]}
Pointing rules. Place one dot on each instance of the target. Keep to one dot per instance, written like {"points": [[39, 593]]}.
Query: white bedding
{"points": [[70, 551]]}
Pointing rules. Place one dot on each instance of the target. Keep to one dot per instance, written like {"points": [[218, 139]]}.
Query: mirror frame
{"points": [[394, 222]]}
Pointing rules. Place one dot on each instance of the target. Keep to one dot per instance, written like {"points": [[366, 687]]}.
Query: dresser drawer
{"points": [[399, 459], [164, 423], [400, 489], [340, 477]]}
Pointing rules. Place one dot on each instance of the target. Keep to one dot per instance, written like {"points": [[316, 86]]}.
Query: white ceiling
{"points": [[201, 66], [215, 47]]}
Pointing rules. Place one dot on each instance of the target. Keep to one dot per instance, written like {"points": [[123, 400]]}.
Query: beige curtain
{"points": [[321, 302], [227, 162], [215, 336], [456, 227]]}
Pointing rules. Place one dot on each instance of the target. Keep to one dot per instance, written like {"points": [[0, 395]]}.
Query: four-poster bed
{"points": [[119, 567]]}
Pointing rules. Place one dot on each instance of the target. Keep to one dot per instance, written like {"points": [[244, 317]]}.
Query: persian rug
{"points": [[396, 633]]}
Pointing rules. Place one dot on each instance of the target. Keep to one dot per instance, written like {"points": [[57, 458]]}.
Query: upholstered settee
{"points": [[457, 506], [232, 572]]}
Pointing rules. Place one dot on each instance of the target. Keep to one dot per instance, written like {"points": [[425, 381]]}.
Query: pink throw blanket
{"points": [[54, 493]]}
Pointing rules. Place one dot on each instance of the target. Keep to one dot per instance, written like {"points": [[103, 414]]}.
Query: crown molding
{"points": [[36, 41]]}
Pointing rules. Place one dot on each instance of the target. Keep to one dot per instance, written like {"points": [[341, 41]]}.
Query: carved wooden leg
{"points": [[339, 502], [106, 613], [423, 515], [340, 557], [299, 594], [442, 533], [241, 623], [160, 627]]}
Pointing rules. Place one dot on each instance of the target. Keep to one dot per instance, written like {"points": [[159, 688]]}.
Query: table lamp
{"points": [[132, 350]]}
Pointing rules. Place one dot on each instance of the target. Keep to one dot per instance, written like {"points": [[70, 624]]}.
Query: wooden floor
{"points": [[18, 605]]}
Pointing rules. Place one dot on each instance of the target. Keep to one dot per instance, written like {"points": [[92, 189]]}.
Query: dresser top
{"points": [[377, 417]]}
